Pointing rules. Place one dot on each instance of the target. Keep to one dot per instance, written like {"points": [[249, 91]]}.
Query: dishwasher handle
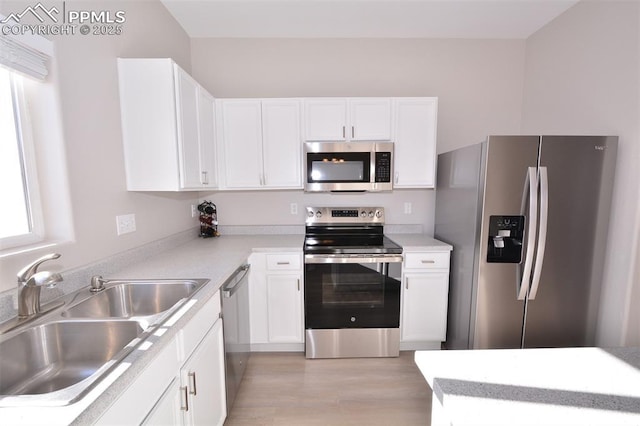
{"points": [[234, 282]]}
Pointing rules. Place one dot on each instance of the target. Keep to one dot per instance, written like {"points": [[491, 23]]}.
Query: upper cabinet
{"points": [[261, 143], [415, 142], [167, 127], [347, 119]]}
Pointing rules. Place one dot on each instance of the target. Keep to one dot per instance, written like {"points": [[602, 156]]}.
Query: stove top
{"points": [[347, 231]]}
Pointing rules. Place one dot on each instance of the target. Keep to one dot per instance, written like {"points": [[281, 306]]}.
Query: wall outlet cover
{"points": [[125, 223]]}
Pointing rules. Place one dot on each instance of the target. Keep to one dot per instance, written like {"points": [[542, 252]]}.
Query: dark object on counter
{"points": [[208, 219]]}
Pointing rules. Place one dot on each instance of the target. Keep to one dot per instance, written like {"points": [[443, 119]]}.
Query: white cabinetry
{"points": [[261, 143], [276, 295], [414, 136], [354, 119], [185, 383], [167, 127], [425, 290], [202, 380]]}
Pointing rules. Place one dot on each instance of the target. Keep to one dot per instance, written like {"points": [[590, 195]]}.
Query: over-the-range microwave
{"points": [[348, 166]]}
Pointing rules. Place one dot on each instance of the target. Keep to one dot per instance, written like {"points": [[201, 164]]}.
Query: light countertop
{"points": [[568, 386], [214, 259], [419, 242]]}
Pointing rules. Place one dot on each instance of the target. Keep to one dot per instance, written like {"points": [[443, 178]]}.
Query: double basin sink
{"points": [[61, 356]]}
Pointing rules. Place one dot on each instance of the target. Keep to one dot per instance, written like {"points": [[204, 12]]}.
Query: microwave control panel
{"points": [[383, 167]]}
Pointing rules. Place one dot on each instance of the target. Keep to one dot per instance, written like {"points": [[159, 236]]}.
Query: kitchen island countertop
{"points": [[568, 386]]}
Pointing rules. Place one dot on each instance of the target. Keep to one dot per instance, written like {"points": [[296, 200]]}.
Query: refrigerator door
{"points": [[498, 318], [580, 177]]}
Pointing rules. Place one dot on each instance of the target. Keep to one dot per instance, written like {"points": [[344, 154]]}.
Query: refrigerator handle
{"points": [[542, 231], [530, 188]]}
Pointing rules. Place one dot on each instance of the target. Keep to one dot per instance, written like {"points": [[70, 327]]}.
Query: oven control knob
{"points": [[310, 213], [318, 214], [378, 214], [371, 214], [363, 214], [353, 319]]}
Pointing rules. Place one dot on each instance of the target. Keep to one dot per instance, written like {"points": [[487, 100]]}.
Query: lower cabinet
{"points": [[185, 383], [276, 295], [425, 292]]}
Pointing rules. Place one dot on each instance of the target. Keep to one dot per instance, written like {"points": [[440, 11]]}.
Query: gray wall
{"points": [[478, 84], [583, 77], [86, 76]]}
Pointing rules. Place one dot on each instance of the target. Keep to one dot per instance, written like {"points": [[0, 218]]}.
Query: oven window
{"points": [[338, 167], [353, 289], [351, 295]]}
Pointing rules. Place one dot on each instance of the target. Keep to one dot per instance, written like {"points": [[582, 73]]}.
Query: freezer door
{"points": [[580, 177], [498, 317]]}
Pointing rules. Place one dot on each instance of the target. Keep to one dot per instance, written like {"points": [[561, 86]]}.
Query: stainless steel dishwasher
{"points": [[235, 320]]}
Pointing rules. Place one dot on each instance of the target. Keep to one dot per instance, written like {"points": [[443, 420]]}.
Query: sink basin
{"points": [[134, 299], [56, 355], [58, 358]]}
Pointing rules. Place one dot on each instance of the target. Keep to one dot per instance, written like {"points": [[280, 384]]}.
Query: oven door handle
{"points": [[352, 258]]}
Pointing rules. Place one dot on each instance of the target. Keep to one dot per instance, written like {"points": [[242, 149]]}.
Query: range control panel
{"points": [[328, 215]]}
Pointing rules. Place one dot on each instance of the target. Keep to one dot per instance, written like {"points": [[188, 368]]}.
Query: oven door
{"points": [[352, 291]]}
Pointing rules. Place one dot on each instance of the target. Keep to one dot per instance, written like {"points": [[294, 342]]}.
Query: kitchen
{"points": [[484, 86]]}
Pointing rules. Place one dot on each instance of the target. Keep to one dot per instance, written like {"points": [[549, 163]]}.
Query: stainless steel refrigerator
{"points": [[528, 219]]}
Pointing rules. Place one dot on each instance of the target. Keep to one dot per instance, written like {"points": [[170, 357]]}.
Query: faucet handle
{"points": [[97, 283], [29, 270]]}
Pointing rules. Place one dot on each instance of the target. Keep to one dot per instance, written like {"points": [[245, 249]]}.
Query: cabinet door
{"points": [[188, 144], [203, 376], [281, 143], [415, 142], [370, 119], [424, 306], [167, 410], [325, 119], [206, 137], [284, 301], [242, 143]]}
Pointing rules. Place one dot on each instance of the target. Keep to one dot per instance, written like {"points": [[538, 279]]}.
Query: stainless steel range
{"points": [[352, 284]]}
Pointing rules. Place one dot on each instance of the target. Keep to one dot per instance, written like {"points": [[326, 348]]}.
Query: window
{"points": [[20, 218]]}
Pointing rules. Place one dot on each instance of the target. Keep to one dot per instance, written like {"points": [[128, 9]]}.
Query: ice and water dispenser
{"points": [[505, 239]]}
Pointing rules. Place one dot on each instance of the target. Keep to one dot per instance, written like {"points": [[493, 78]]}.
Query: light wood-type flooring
{"points": [[287, 389]]}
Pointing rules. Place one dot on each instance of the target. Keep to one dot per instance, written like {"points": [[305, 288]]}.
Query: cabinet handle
{"points": [[192, 381], [343, 132], [428, 261], [397, 176], [205, 179], [298, 284], [353, 135], [184, 407], [406, 283], [282, 263]]}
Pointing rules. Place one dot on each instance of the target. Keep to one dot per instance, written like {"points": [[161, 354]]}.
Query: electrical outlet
{"points": [[194, 210], [407, 208], [294, 208], [125, 223]]}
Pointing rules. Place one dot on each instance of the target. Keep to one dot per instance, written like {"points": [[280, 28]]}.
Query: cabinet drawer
{"points": [[426, 260], [281, 262]]}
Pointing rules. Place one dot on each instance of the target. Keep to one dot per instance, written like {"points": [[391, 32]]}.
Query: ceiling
{"points": [[503, 19]]}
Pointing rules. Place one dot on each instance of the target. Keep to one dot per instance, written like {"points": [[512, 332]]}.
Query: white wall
{"points": [[583, 77], [88, 87], [478, 84]]}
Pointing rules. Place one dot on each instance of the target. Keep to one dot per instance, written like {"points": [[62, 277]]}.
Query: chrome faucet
{"points": [[30, 281]]}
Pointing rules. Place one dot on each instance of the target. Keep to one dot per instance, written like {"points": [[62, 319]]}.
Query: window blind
{"points": [[27, 55]]}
